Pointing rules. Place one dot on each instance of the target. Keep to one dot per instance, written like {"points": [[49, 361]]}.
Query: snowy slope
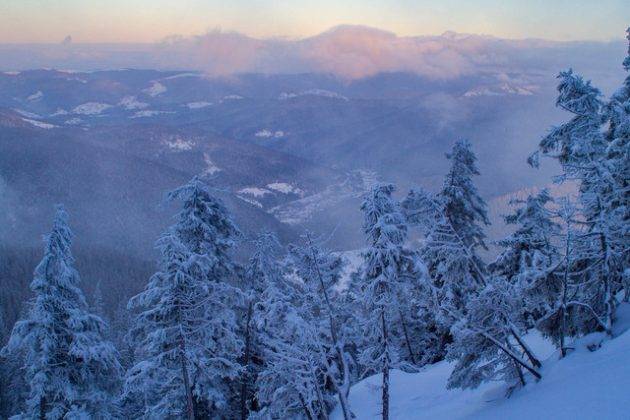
{"points": [[585, 385]]}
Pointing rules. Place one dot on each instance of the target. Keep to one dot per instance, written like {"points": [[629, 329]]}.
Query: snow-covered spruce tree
{"points": [[454, 269], [529, 254], [320, 271], [483, 347], [575, 306], [71, 371], [463, 206], [449, 306], [593, 159], [264, 269], [185, 331], [452, 233], [120, 326], [389, 265], [617, 165], [293, 379]]}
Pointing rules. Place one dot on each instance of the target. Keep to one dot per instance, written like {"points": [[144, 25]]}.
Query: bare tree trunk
{"points": [[385, 394], [344, 390], [320, 397], [517, 367], [608, 293], [307, 412], [406, 333], [246, 357], [190, 411], [42, 408], [565, 284], [511, 355], [530, 355], [189, 402]]}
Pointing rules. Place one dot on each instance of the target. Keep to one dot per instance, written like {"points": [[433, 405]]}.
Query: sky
{"points": [[50, 21]]}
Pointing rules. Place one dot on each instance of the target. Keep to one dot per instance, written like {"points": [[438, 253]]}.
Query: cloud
{"points": [[347, 51]]}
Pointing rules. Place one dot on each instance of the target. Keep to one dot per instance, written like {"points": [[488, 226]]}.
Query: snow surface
{"points": [[501, 90], [26, 113], [59, 111], [91, 108], [584, 385], [35, 96], [39, 124], [312, 92], [179, 145], [149, 113], [198, 105], [352, 261], [211, 167], [285, 188], [255, 191], [231, 98], [250, 201], [180, 75], [155, 89], [132, 103], [265, 133]]}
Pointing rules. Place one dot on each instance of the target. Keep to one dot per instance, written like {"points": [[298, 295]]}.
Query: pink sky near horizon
{"points": [[152, 20]]}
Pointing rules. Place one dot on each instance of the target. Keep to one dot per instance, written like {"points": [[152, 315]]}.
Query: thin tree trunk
{"points": [[385, 394], [511, 355], [563, 303], [190, 411], [309, 416], [342, 393], [42, 408], [530, 355], [246, 357], [608, 295], [320, 397], [406, 333], [518, 369], [189, 402]]}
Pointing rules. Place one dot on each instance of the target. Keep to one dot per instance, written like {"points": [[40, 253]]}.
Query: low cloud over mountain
{"points": [[347, 51]]}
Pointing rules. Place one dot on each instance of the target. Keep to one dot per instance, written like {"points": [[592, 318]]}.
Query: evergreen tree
{"points": [[529, 253], [186, 332], [483, 345], [455, 271], [462, 205], [293, 379], [264, 269], [388, 266], [71, 371], [598, 161], [320, 271]]}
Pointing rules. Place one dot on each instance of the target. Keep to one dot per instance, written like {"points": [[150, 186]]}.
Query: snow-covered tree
{"points": [[264, 269], [185, 331], [293, 380], [389, 266], [484, 348], [529, 253], [98, 305], [71, 371], [463, 206], [577, 301], [319, 271], [454, 307], [597, 160], [454, 269]]}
